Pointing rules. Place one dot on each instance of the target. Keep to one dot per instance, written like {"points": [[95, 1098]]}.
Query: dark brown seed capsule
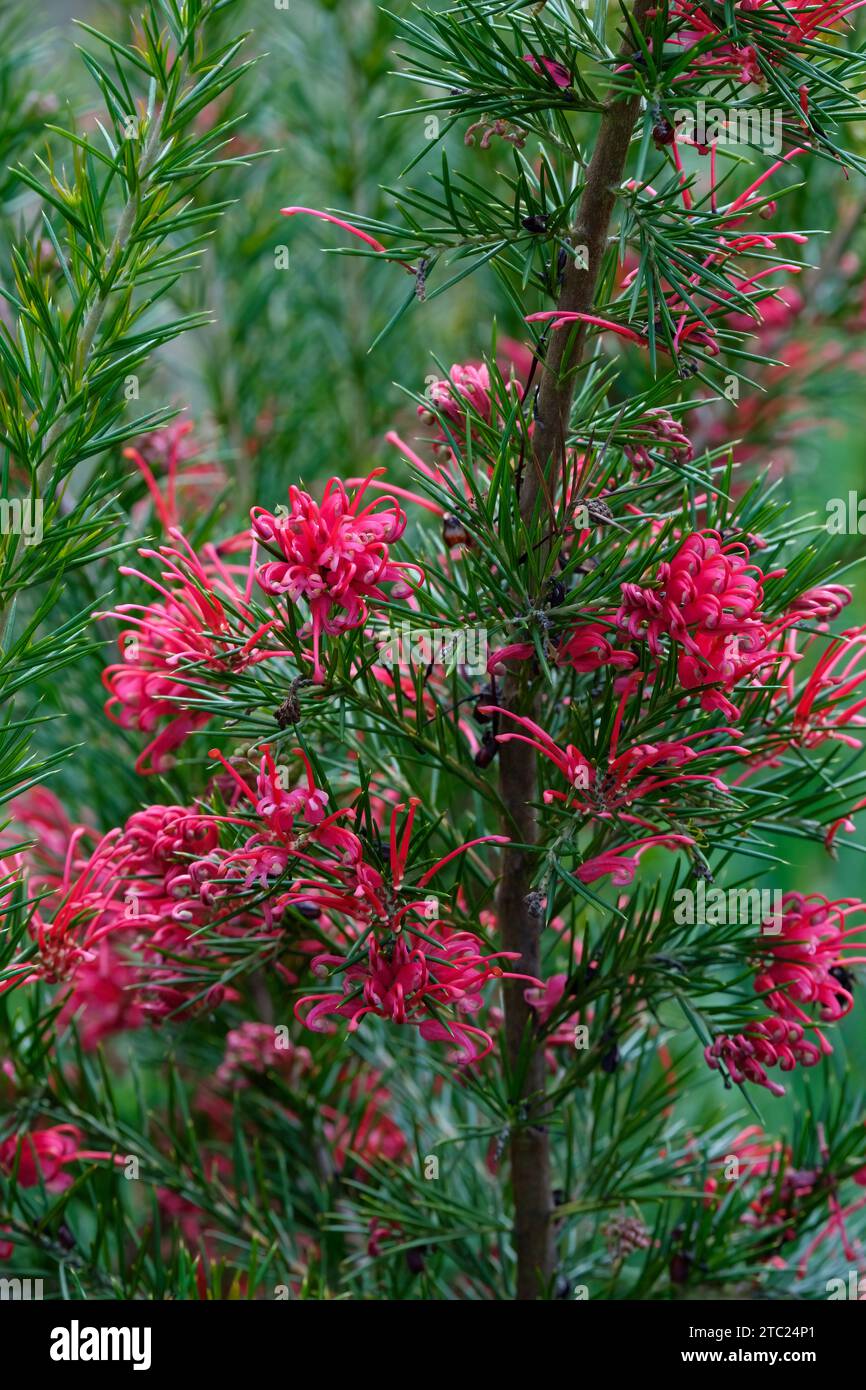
{"points": [[454, 532], [488, 750], [663, 133]]}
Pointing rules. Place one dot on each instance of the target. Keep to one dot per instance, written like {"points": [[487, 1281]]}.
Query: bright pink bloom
{"points": [[777, 30], [42, 1155], [466, 386], [708, 599], [202, 620], [589, 647], [255, 1047], [559, 75], [334, 555], [770, 1043], [411, 983], [807, 962], [643, 769]]}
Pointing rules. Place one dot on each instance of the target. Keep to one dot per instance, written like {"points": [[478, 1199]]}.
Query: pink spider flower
{"points": [[620, 864], [798, 23], [203, 619], [707, 598], [588, 647], [691, 331], [642, 769], [410, 984], [273, 845], [334, 555], [831, 701], [807, 962], [769, 1043], [559, 75], [84, 909], [465, 386], [42, 1155], [255, 1047]]}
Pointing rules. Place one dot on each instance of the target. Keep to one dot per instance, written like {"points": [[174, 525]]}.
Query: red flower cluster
{"points": [[334, 555], [708, 599]]}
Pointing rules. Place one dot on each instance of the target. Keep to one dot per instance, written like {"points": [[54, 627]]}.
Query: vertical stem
{"points": [[521, 931]]}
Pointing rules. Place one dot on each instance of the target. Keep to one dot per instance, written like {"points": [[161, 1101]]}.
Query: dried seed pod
{"points": [[454, 532], [488, 750], [663, 133]]}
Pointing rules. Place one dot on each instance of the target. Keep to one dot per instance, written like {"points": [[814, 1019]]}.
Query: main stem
{"points": [[521, 931]]}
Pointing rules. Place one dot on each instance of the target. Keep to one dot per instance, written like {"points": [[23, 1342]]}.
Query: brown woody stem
{"points": [[521, 932]]}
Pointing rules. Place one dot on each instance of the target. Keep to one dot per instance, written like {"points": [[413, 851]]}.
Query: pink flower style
{"points": [[691, 331], [643, 769], [621, 862], [465, 387], [707, 599], [203, 619], [334, 555], [770, 1043], [190, 484], [255, 1047], [110, 931], [405, 980], [548, 67], [807, 963], [42, 1155], [798, 23]]}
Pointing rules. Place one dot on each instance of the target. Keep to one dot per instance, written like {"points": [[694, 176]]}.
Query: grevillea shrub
{"points": [[433, 811]]}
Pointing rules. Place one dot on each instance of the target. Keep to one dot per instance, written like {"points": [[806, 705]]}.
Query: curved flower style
{"points": [[334, 555], [190, 483], [807, 963], [42, 1155], [465, 386], [708, 599], [789, 28], [622, 862], [202, 621], [409, 983], [642, 769]]}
